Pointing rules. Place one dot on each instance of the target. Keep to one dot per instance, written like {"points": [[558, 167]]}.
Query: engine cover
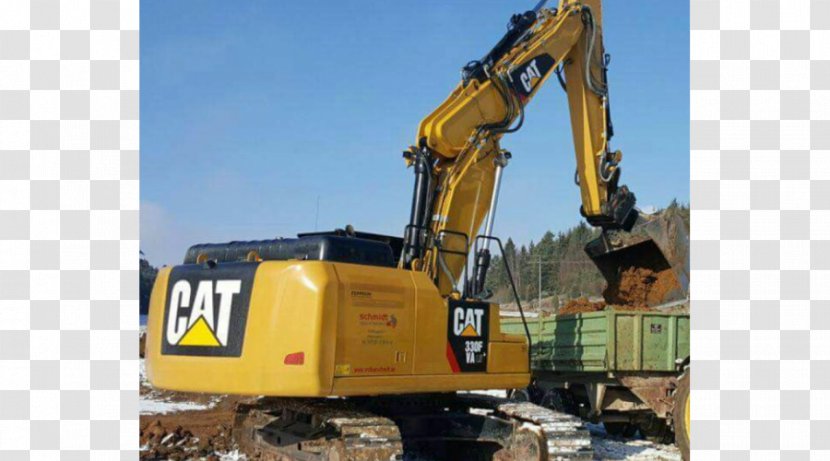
{"points": [[320, 328]]}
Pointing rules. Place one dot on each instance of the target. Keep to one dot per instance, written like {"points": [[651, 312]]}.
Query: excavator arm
{"points": [[458, 160]]}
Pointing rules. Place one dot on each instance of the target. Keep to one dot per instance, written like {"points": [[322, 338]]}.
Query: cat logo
{"points": [[467, 321], [530, 76], [207, 325], [206, 309], [527, 77], [467, 336]]}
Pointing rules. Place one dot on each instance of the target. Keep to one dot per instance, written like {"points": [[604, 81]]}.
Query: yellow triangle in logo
{"points": [[199, 335], [469, 331]]}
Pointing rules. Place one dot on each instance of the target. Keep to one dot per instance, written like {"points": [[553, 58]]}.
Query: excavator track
{"points": [[385, 428], [565, 437], [282, 429]]}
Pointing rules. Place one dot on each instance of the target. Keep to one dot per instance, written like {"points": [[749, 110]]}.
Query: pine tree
{"points": [[147, 276]]}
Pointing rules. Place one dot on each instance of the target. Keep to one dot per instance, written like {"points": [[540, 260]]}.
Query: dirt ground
{"points": [[199, 434], [206, 435]]}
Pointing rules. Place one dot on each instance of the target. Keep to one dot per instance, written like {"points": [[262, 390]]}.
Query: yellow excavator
{"points": [[358, 344]]}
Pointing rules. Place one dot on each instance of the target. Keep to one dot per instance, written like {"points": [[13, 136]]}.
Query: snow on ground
{"points": [[491, 392], [613, 448], [231, 456], [234, 455], [150, 406], [154, 402], [142, 374], [633, 450]]}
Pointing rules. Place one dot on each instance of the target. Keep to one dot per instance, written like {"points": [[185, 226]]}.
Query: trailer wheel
{"points": [[560, 400], [521, 395], [553, 400], [656, 430], [681, 416]]}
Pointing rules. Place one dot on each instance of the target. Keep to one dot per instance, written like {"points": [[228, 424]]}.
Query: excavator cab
{"points": [[647, 266]]}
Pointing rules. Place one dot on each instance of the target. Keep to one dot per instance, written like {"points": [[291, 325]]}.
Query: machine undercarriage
{"points": [[442, 426]]}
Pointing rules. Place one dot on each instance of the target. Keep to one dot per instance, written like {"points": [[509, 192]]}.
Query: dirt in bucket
{"points": [[636, 289], [639, 286]]}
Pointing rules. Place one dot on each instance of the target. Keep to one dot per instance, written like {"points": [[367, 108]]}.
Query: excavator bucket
{"points": [[648, 266]]}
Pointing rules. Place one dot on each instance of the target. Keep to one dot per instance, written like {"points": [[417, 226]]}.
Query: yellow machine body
{"points": [[320, 328]]}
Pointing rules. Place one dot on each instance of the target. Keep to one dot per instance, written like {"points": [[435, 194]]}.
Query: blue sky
{"points": [[252, 110]]}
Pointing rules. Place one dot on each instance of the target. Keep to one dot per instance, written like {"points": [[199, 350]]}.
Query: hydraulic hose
{"points": [[511, 103], [601, 89]]}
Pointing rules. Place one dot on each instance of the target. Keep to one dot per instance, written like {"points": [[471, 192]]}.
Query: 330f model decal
{"points": [[467, 336], [207, 309]]}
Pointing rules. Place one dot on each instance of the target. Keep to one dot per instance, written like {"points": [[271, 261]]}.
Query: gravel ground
{"points": [[613, 448]]}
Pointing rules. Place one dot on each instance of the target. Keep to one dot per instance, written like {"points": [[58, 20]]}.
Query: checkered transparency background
{"points": [[760, 195], [68, 229]]}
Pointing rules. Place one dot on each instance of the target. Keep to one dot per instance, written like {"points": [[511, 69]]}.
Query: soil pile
{"points": [[580, 305], [639, 287], [583, 305]]}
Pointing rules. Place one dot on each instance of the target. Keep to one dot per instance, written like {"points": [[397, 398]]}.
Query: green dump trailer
{"points": [[626, 369]]}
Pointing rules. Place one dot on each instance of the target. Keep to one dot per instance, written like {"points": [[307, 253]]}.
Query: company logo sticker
{"points": [[207, 325], [378, 319], [530, 76], [467, 336], [527, 77], [377, 328], [467, 322], [207, 309]]}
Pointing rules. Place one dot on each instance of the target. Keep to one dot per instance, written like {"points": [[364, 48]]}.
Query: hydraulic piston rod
{"points": [[501, 162], [482, 263]]}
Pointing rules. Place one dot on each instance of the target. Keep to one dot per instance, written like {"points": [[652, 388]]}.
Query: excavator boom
{"points": [[458, 159]]}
